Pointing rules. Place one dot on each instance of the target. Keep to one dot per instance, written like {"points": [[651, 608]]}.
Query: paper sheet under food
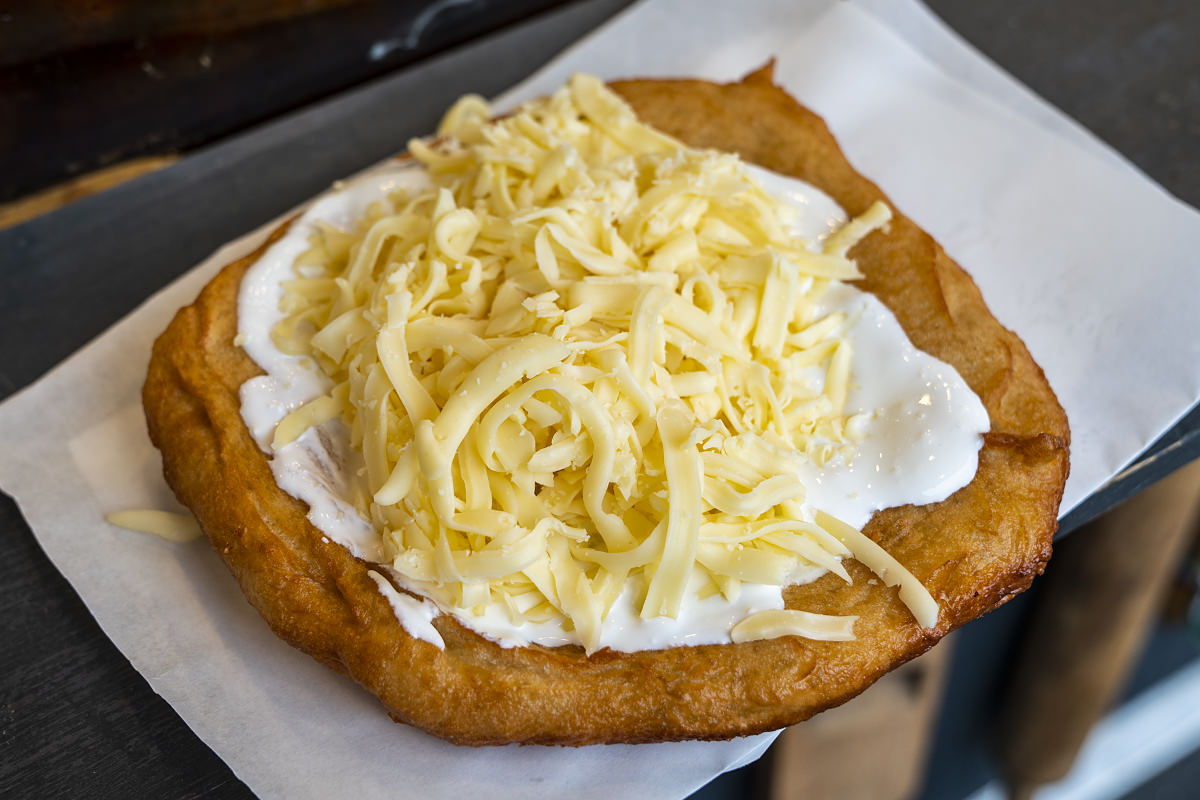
{"points": [[1085, 259]]}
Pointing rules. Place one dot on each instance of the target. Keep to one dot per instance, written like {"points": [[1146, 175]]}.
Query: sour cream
{"points": [[921, 424]]}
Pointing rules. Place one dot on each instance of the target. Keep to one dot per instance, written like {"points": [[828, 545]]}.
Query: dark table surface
{"points": [[75, 718]]}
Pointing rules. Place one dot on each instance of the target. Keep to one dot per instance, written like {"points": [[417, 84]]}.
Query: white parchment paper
{"points": [[1089, 262]]}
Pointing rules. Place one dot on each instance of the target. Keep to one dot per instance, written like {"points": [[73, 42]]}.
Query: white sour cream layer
{"points": [[923, 430]]}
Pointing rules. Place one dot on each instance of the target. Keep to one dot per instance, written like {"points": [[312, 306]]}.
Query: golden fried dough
{"points": [[972, 551]]}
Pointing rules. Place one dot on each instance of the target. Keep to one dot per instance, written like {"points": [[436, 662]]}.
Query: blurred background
{"points": [[1088, 686]]}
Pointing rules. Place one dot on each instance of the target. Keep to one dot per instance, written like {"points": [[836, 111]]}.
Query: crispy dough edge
{"points": [[973, 551]]}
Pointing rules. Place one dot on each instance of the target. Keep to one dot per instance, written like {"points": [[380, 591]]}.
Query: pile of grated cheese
{"points": [[584, 360]]}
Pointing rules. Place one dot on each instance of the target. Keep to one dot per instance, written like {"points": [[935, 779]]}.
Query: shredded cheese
{"points": [[163, 524], [584, 361], [918, 599], [786, 622]]}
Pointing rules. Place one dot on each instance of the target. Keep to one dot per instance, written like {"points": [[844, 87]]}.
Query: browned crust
{"points": [[973, 551]]}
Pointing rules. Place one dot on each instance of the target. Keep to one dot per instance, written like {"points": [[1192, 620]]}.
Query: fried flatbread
{"points": [[972, 551]]}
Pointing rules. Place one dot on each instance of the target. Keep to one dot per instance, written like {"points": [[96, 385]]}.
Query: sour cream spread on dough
{"points": [[744, 418]]}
